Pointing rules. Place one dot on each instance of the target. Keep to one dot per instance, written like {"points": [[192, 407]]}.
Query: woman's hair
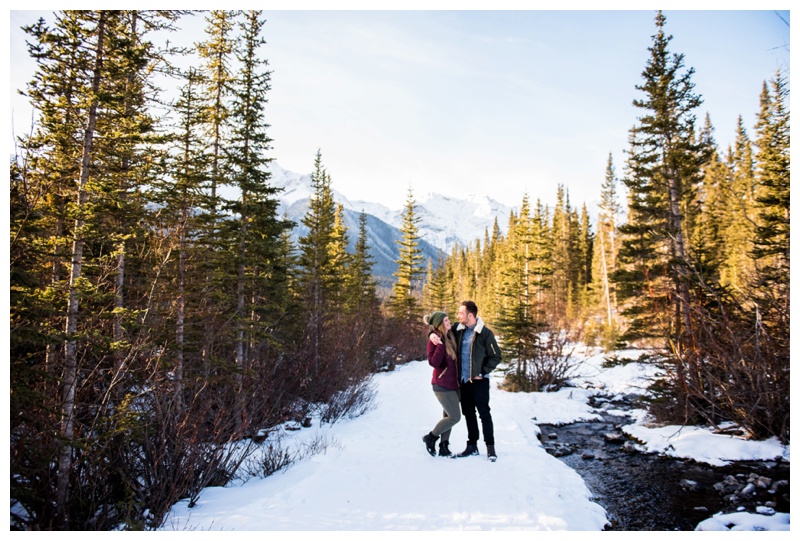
{"points": [[449, 338], [450, 344]]}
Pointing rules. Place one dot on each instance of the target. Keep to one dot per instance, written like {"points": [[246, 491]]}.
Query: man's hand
{"points": [[434, 338]]}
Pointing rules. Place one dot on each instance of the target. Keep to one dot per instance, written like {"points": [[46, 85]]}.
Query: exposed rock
{"points": [[688, 484], [614, 437], [748, 490], [629, 447]]}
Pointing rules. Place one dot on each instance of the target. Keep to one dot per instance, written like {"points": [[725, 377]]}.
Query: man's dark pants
{"points": [[475, 396]]}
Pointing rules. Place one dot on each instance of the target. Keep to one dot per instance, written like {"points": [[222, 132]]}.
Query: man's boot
{"points": [[491, 453], [471, 450]]}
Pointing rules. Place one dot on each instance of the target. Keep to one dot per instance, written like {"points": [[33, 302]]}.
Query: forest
{"points": [[155, 323]]}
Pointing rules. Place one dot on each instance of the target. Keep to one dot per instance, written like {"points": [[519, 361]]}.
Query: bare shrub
{"points": [[353, 401], [276, 456], [401, 342], [731, 363], [182, 454], [550, 366], [737, 370]]}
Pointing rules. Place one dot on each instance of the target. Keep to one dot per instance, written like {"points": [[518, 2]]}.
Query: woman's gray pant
{"points": [[451, 404]]}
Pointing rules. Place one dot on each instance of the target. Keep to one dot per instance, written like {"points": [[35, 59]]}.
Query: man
{"points": [[478, 355]]}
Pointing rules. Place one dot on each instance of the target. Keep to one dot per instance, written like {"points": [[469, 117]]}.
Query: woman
{"points": [[442, 357]]}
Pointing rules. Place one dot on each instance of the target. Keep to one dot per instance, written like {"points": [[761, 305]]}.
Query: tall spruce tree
{"points": [[182, 197], [606, 244], [773, 183], [737, 269], [315, 263], [663, 166], [257, 228], [708, 217], [217, 52], [403, 302]]}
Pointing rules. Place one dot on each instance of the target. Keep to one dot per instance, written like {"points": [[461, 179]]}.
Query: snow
{"points": [[372, 473]]}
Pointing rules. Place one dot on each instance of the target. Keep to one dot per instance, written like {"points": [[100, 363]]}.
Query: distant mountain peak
{"points": [[445, 219]]}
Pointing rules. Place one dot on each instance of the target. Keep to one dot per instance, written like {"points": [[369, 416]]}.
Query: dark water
{"points": [[644, 491]]}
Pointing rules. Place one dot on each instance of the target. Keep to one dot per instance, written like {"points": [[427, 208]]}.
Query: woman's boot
{"points": [[430, 443]]}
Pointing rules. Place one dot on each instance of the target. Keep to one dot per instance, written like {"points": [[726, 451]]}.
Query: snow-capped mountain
{"points": [[444, 220]]}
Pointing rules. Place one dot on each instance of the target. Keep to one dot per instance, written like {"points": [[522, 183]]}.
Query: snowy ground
{"points": [[375, 475]]}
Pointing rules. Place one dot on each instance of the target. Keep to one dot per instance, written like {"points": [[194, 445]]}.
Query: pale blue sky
{"points": [[487, 102]]}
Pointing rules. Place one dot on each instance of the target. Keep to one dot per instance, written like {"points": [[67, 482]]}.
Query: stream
{"points": [[654, 492]]}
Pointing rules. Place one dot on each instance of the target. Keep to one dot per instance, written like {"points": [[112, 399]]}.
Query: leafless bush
{"points": [[181, 454], [550, 365], [401, 342], [737, 370], [275, 456], [731, 361], [356, 399]]}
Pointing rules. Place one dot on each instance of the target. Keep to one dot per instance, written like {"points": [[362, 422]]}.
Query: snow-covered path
{"points": [[376, 475]]}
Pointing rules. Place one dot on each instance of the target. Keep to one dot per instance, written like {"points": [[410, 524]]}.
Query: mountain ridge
{"points": [[444, 221]]}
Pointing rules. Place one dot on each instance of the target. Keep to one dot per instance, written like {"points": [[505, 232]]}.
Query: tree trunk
{"points": [[606, 288], [683, 320], [69, 379]]}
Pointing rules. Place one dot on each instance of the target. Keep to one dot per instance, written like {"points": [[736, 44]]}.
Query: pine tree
{"points": [[315, 263], [663, 168], [362, 305], [90, 91], [585, 249], [257, 229], [217, 52], [708, 217], [737, 268], [605, 246], [181, 197], [562, 253], [362, 298], [773, 183], [403, 302]]}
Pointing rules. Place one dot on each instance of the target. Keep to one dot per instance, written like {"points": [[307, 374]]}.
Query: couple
{"points": [[461, 359]]}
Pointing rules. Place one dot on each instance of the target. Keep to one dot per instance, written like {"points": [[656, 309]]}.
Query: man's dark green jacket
{"points": [[484, 351]]}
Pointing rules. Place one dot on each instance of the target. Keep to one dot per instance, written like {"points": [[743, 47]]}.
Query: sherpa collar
{"points": [[478, 326]]}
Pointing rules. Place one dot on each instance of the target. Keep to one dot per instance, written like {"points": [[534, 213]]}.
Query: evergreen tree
{"points": [[518, 319], [403, 302], [180, 222], [217, 75], [90, 92], [663, 165], [562, 251], [605, 246], [737, 268], [257, 229], [437, 287], [316, 268], [773, 183], [709, 215], [363, 297], [217, 52], [584, 253]]}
